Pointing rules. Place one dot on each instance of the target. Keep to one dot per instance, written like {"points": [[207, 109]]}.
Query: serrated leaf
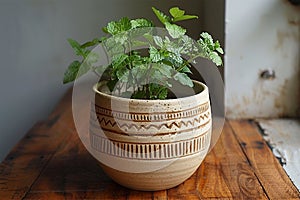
{"points": [[158, 91], [183, 79], [165, 70], [158, 41], [139, 74], [174, 30], [185, 17], [176, 57], [210, 48], [77, 48], [218, 47], [112, 46], [220, 50], [163, 94], [161, 16], [116, 27], [112, 28], [155, 55], [207, 38], [122, 73], [118, 59], [215, 58], [139, 23], [186, 69], [176, 12], [149, 37], [156, 76], [72, 71]]}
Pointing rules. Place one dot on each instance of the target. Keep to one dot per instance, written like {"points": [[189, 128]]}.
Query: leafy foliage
{"points": [[150, 75], [161, 16], [174, 30], [71, 73], [178, 15], [211, 48]]}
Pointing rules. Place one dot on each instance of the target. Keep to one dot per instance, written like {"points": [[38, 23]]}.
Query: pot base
{"points": [[168, 177]]}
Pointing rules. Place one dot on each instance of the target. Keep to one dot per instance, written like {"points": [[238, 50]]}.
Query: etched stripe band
{"points": [[150, 116], [150, 151]]}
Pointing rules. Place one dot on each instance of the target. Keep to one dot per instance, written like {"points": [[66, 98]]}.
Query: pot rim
{"points": [[203, 91]]}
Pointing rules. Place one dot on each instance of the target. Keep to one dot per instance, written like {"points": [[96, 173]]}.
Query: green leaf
{"points": [[118, 59], [163, 94], [77, 48], [149, 37], [186, 69], [139, 23], [122, 73], [158, 41], [183, 79], [116, 27], [207, 38], [176, 12], [112, 46], [185, 17], [140, 94], [213, 56], [155, 55], [111, 84], [157, 77], [165, 70], [157, 91], [178, 15], [210, 48], [93, 42], [174, 30], [72, 71], [161, 16], [176, 57], [220, 50], [139, 74], [137, 43], [218, 47]]}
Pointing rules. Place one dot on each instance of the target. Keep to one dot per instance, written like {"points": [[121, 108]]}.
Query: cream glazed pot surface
{"points": [[150, 144]]}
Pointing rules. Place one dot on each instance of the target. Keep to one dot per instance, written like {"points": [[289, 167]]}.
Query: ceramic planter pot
{"points": [[150, 144]]}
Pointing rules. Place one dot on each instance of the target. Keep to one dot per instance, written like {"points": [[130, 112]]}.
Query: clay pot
{"points": [[150, 144]]}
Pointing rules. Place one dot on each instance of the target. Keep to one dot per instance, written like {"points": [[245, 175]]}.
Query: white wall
{"points": [[34, 51], [262, 34]]}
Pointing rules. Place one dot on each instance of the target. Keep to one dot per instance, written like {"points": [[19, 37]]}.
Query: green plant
{"points": [[140, 75]]}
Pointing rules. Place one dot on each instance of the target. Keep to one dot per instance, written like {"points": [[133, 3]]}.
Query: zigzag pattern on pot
{"points": [[151, 116], [150, 151], [105, 121]]}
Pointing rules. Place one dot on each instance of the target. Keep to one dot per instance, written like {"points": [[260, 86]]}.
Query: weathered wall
{"points": [[262, 35]]}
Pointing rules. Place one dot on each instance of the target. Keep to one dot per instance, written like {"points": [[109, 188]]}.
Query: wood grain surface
{"points": [[50, 162]]}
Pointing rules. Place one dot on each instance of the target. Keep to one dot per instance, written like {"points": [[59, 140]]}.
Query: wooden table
{"points": [[50, 162]]}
